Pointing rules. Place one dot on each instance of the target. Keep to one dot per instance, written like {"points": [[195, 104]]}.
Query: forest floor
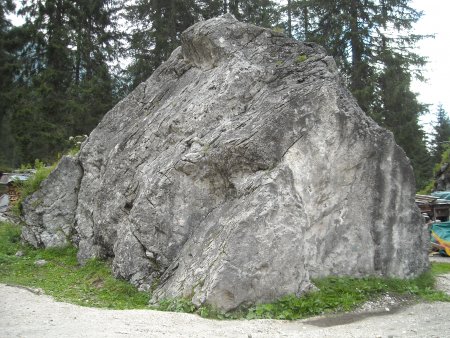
{"points": [[27, 313]]}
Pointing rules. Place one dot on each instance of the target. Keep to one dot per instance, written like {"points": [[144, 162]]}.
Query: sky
{"points": [[436, 90]]}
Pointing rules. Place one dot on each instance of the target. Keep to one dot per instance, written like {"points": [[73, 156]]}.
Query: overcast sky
{"points": [[434, 21]]}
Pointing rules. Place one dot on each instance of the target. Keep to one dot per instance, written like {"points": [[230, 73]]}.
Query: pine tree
{"points": [[7, 73], [400, 114], [211, 8], [356, 32], [64, 85], [373, 47], [264, 13], [94, 27], [441, 134], [157, 28]]}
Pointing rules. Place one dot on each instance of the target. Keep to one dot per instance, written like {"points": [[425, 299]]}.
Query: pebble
{"points": [[40, 262], [19, 253]]}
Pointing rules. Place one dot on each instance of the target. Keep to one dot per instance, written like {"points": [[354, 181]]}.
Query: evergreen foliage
{"points": [[157, 28], [59, 70], [7, 72], [372, 43], [62, 83], [441, 134], [398, 110]]}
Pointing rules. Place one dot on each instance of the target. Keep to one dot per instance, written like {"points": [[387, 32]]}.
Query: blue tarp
{"points": [[443, 195]]}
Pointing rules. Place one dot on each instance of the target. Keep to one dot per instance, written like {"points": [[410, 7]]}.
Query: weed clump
{"points": [[301, 58]]}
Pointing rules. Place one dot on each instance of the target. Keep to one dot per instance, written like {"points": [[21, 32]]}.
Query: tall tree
{"points": [[441, 134], [399, 112], [263, 13], [374, 49], [356, 32], [64, 84], [211, 8], [97, 41], [7, 73], [157, 28]]}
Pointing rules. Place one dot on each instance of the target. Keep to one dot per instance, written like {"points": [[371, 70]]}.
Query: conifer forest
{"points": [[65, 63]]}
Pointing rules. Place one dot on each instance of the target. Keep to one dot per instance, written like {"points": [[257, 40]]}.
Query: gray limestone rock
{"points": [[238, 171], [49, 213]]}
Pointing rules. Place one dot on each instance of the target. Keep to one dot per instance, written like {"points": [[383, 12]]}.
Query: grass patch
{"points": [[346, 294], [62, 277], [93, 285], [335, 294], [176, 305], [301, 58], [440, 268]]}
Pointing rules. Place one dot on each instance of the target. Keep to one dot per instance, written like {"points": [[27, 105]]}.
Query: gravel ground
{"points": [[26, 314]]}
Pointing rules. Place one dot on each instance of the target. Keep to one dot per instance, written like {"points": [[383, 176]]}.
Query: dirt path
{"points": [[25, 314]]}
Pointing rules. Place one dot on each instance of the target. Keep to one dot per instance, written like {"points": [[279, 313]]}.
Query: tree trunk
{"points": [[357, 51], [305, 22], [234, 8], [289, 12]]}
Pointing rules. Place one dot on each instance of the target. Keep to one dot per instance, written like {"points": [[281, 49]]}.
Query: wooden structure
{"points": [[8, 184], [435, 208]]}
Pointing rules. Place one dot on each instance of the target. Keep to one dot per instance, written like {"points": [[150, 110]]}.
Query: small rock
{"points": [[144, 287], [38, 291], [19, 253], [387, 309], [40, 262]]}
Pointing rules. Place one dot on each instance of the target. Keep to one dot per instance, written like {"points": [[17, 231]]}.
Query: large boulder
{"points": [[241, 169]]}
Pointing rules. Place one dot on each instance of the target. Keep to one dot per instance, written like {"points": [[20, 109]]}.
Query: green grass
{"points": [[301, 58], [337, 294], [440, 268], [93, 285], [62, 277]]}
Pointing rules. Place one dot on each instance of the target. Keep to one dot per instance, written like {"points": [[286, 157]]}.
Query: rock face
{"points": [[49, 213], [442, 178], [238, 171]]}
